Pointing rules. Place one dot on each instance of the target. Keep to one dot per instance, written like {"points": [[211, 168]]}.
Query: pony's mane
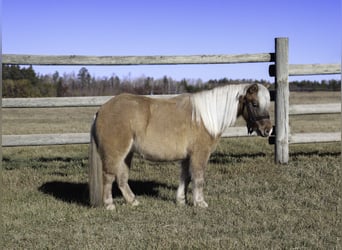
{"points": [[217, 108]]}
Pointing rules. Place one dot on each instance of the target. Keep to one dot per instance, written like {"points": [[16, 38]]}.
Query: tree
{"points": [[30, 74], [12, 72], [148, 86], [55, 77], [84, 76], [166, 85], [22, 82], [61, 89]]}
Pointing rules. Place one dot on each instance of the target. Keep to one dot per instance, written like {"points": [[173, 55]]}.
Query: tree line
{"points": [[25, 82]]}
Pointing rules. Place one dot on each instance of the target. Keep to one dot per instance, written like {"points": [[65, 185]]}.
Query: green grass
{"points": [[253, 203]]}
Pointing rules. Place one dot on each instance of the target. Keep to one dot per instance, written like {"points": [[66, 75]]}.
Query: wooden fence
{"points": [[281, 70]]}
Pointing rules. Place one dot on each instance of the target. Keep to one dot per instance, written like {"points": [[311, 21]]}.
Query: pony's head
{"points": [[254, 106]]}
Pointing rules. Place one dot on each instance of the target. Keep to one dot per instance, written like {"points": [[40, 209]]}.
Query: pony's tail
{"points": [[95, 170]]}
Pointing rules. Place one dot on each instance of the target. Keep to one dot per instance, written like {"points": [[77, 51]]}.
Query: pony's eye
{"points": [[255, 104]]}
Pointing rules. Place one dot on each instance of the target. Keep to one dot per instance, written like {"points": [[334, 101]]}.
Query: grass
{"points": [[253, 203]]}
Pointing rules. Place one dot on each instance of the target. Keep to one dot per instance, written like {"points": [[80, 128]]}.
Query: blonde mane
{"points": [[217, 108]]}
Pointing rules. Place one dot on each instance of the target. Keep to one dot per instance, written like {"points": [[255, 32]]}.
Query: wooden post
{"points": [[282, 102]]}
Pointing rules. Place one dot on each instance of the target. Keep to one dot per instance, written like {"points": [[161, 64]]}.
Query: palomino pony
{"points": [[184, 128]]}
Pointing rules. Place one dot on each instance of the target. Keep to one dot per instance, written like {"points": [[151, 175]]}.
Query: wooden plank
{"points": [[315, 137], [45, 139], [282, 103], [314, 69], [54, 102], [133, 60], [51, 102], [84, 138], [78, 138], [326, 108]]}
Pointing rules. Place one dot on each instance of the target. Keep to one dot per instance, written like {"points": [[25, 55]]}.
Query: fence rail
{"points": [[95, 101], [281, 70], [315, 137], [306, 109], [314, 69], [309, 69], [135, 60], [60, 102], [45, 139], [80, 138]]}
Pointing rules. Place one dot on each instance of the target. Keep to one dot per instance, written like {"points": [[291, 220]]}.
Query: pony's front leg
{"points": [[108, 180], [197, 176], [198, 184], [183, 183]]}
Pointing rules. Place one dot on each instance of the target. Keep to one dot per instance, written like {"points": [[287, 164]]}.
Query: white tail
{"points": [[95, 171]]}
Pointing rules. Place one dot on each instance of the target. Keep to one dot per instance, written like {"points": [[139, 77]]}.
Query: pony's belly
{"points": [[155, 151]]}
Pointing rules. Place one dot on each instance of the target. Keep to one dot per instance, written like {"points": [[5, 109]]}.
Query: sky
{"points": [[177, 27]]}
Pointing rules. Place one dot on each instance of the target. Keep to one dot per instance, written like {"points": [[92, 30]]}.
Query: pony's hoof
{"points": [[110, 207], [201, 204], [135, 203]]}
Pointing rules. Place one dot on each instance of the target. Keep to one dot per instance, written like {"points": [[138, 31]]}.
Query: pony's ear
{"points": [[253, 89]]}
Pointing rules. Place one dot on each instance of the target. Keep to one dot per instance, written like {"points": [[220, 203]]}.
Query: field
{"points": [[253, 203]]}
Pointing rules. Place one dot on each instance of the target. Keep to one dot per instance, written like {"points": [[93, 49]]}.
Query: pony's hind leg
{"points": [[185, 179], [108, 180], [122, 181]]}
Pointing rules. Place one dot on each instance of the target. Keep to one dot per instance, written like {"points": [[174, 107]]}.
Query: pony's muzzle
{"points": [[263, 128], [267, 132], [266, 129]]}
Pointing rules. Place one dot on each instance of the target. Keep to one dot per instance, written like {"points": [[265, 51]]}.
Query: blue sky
{"points": [[177, 27]]}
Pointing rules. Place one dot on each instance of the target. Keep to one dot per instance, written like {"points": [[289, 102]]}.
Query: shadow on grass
{"points": [[220, 158], [78, 192], [225, 158], [13, 162], [315, 153]]}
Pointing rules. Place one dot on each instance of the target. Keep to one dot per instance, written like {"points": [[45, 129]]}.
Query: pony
{"points": [[183, 128]]}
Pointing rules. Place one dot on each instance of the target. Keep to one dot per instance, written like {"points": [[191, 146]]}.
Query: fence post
{"points": [[282, 101]]}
